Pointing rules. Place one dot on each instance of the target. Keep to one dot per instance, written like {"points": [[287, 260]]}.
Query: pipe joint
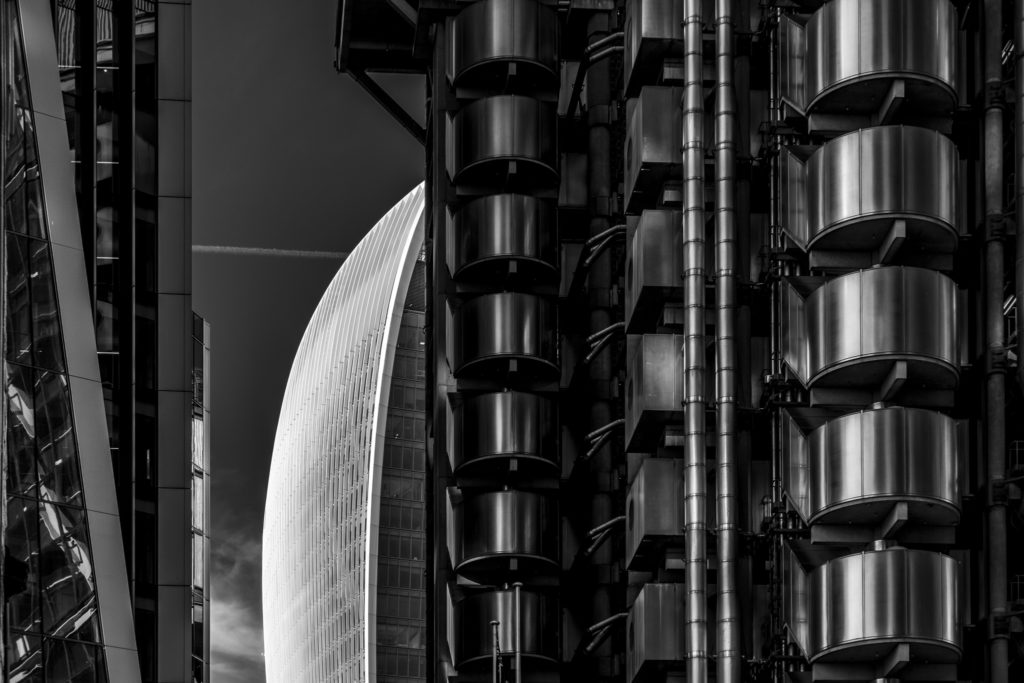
{"points": [[995, 361], [997, 227], [995, 96]]}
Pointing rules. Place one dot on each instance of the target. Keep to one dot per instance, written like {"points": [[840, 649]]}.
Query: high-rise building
{"points": [[344, 542], [723, 346], [101, 91]]}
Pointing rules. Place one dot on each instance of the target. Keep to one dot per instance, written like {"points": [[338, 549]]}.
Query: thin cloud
{"points": [[236, 637], [262, 251]]}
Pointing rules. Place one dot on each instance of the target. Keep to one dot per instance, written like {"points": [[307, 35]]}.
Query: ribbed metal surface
{"points": [[475, 639], [856, 48], [488, 133], [491, 232], [863, 463], [322, 491], [493, 429], [862, 605], [859, 183], [504, 525], [496, 328], [490, 35]]}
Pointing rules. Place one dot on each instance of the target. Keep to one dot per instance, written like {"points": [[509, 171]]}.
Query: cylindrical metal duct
{"points": [[857, 49], [494, 41], [878, 599], [499, 526], [500, 234], [473, 615], [488, 135], [493, 329], [493, 429], [863, 463], [728, 644], [695, 476]]}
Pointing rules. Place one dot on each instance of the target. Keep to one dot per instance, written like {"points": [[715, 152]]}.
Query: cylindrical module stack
{"points": [[872, 325], [499, 194]]}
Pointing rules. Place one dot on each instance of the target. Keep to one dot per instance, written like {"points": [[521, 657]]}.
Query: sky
{"points": [[287, 154]]}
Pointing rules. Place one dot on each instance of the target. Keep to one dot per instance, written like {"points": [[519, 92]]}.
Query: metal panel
{"points": [[863, 463], [502, 234], [653, 145], [793, 57], [475, 634], [491, 133], [860, 323], [654, 388], [492, 329], [501, 526], [495, 430], [857, 50], [654, 512], [491, 36], [653, 31], [858, 184], [654, 631], [864, 605], [653, 269]]}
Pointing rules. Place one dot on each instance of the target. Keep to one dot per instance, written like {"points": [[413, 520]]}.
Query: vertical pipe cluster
{"points": [[728, 661], [995, 383], [695, 483]]}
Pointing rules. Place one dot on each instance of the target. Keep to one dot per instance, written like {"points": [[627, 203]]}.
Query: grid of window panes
{"points": [[314, 535], [49, 588], [401, 546], [200, 495]]}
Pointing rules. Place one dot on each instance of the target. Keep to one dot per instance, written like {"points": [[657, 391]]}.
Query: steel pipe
{"points": [[995, 420], [695, 473], [1018, 41], [728, 643]]}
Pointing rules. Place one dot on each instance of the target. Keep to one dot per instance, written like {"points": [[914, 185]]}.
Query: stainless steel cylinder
{"points": [[493, 528], [859, 323], [863, 605], [490, 234], [857, 50], [493, 329], [492, 40], [495, 428], [475, 636], [490, 134], [861, 182], [863, 463]]}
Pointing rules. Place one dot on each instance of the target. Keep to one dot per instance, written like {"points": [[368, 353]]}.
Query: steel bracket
{"points": [[995, 361], [995, 96], [996, 228]]}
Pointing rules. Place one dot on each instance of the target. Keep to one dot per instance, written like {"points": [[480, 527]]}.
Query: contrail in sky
{"points": [[260, 251]]}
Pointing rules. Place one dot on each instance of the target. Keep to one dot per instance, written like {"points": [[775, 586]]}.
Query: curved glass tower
{"points": [[343, 535]]}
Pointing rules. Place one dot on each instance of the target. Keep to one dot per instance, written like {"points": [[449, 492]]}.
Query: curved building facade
{"points": [[343, 538]]}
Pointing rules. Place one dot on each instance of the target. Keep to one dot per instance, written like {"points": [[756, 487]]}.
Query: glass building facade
{"points": [[102, 348], [344, 527]]}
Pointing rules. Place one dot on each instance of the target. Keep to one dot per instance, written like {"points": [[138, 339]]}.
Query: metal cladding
{"points": [[654, 631], [654, 513], [863, 605], [653, 143], [861, 465], [861, 56], [490, 133], [502, 526], [495, 328], [851, 329], [654, 391], [477, 612], [499, 217], [504, 431], [489, 36], [499, 234], [323, 495], [654, 30], [653, 269], [874, 191]]}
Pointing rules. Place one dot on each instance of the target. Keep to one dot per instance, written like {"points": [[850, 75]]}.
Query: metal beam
{"points": [[394, 108]]}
